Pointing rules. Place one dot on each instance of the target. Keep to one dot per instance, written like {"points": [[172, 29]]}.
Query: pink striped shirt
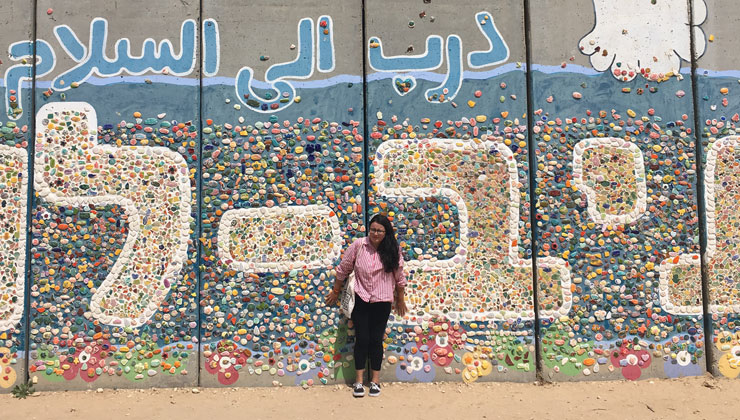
{"points": [[372, 283]]}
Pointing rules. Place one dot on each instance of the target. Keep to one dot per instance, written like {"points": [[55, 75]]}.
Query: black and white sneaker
{"points": [[374, 389], [358, 390]]}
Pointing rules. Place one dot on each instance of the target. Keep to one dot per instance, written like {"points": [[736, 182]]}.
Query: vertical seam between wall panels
{"points": [[532, 162], [30, 201], [365, 136], [701, 208], [199, 192]]}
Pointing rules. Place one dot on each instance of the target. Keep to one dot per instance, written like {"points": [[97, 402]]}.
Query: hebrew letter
{"points": [[612, 174], [152, 184], [680, 285], [277, 239], [486, 279]]}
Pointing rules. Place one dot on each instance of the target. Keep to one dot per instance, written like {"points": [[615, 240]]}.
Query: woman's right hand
{"points": [[332, 298]]}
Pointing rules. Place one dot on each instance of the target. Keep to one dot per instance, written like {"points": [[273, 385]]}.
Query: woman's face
{"points": [[376, 233]]}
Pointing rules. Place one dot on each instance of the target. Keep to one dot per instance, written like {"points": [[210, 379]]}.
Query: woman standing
{"points": [[378, 266]]}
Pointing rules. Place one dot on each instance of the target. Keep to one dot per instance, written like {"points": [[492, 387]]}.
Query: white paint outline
{"points": [[16, 313], [284, 79], [46, 192], [490, 44], [458, 262], [666, 266], [454, 92], [639, 173], [312, 42], [225, 227], [19, 97], [403, 77], [664, 272], [217, 52], [319, 32]]}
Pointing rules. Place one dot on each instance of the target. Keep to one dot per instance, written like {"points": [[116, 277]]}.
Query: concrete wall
{"points": [[113, 230], [717, 116], [616, 192], [15, 152], [198, 168], [292, 180], [452, 167]]}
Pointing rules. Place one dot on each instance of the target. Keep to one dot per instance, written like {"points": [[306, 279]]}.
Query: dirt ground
{"points": [[695, 398]]}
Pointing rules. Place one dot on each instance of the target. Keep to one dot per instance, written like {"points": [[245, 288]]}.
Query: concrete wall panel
{"points": [[17, 33], [114, 285], [717, 77], [283, 190], [449, 162], [616, 189]]}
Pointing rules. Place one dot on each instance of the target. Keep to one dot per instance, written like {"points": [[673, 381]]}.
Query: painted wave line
{"points": [[348, 78], [587, 71]]}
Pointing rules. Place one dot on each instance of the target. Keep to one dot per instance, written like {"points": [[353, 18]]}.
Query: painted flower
{"points": [[441, 351], [304, 368], [631, 361], [453, 333], [440, 341], [226, 361], [89, 361], [477, 365], [682, 365], [414, 365], [729, 362], [7, 373]]}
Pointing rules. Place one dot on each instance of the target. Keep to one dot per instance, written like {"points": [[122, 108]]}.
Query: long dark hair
{"points": [[388, 248]]}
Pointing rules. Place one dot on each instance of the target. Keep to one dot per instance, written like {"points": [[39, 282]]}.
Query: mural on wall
{"points": [[73, 170], [159, 246], [129, 207], [113, 286], [457, 288], [283, 194], [616, 186], [718, 118], [450, 167], [15, 136], [302, 67], [432, 59]]}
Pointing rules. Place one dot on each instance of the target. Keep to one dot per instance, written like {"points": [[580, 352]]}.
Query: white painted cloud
{"points": [[648, 37]]}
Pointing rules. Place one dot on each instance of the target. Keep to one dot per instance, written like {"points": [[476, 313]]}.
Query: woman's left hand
{"points": [[332, 298]]}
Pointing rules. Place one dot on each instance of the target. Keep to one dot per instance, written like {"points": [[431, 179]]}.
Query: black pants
{"points": [[370, 320]]}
